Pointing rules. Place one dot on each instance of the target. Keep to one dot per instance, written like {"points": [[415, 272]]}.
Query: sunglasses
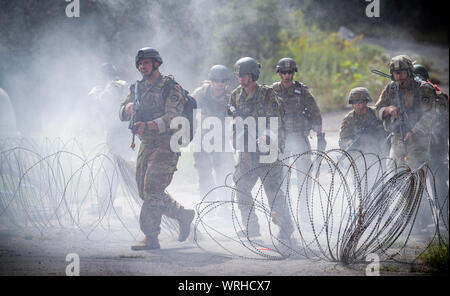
{"points": [[219, 81], [358, 101], [287, 72]]}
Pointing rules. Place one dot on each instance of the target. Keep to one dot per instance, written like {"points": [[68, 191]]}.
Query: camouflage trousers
{"points": [[298, 143], [221, 163], [439, 165], [246, 174], [154, 172], [417, 151]]}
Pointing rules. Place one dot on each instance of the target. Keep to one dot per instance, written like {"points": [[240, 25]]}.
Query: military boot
{"points": [[184, 220], [148, 243], [250, 224]]}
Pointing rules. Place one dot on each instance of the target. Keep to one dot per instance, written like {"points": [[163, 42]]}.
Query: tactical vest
{"points": [[152, 103], [412, 104], [214, 106], [297, 116]]}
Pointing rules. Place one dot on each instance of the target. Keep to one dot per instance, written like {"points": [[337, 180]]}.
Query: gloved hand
{"points": [[321, 142]]}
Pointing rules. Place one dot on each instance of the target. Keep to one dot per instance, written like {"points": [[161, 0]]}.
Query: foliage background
{"points": [[49, 62]]}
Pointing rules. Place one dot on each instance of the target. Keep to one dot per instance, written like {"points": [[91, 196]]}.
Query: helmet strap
{"points": [[146, 77]]}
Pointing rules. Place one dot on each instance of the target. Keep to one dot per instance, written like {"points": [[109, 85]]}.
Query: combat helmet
{"points": [[359, 93], [421, 71], [108, 70], [247, 65], [286, 63], [148, 53], [401, 62], [219, 72]]}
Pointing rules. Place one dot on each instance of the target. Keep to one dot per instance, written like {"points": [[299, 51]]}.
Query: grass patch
{"points": [[436, 256], [390, 268]]}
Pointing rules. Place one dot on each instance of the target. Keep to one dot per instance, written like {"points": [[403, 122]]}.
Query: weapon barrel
{"points": [[374, 71]]}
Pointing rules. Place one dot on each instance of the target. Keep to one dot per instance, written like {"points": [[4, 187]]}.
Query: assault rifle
{"points": [[359, 134], [401, 123], [136, 107], [231, 110]]}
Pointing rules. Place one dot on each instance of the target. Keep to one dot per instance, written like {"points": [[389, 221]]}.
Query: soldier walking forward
{"points": [[406, 108], [301, 116], [156, 162], [252, 100]]}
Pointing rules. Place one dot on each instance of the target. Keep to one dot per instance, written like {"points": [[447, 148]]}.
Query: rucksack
{"points": [[188, 109]]}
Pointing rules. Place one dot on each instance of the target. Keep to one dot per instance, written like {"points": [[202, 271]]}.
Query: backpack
{"points": [[188, 108]]}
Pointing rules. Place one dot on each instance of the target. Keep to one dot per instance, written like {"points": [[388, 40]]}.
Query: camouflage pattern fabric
{"points": [[156, 162], [262, 103], [366, 130], [418, 99]]}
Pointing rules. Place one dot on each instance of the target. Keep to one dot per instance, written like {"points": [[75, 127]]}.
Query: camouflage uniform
{"points": [[105, 100], [362, 132], [439, 142], [353, 124], [301, 115], [439, 151], [262, 103], [418, 99], [156, 162], [221, 163]]}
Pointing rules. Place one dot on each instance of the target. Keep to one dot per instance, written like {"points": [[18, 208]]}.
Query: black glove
{"points": [[321, 142]]}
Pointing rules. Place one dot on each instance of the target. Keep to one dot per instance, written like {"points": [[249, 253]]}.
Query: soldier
{"points": [[361, 129], [302, 115], [156, 162], [252, 100], [211, 98], [439, 141], [105, 98], [406, 108]]}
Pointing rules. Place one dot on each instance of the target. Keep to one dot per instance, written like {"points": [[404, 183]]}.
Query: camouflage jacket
{"points": [[153, 107], [418, 99], [362, 132], [440, 129], [210, 104], [302, 112], [262, 103]]}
